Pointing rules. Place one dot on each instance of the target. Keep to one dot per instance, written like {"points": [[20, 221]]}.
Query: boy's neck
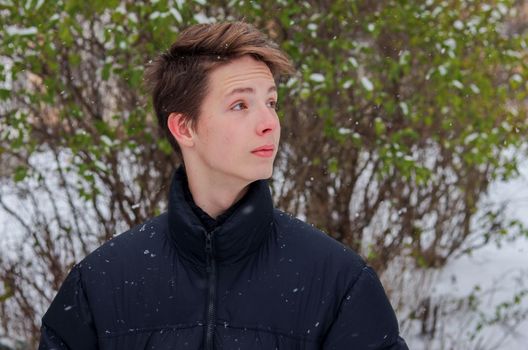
{"points": [[213, 194]]}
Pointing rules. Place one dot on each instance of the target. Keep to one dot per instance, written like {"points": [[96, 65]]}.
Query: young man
{"points": [[222, 269]]}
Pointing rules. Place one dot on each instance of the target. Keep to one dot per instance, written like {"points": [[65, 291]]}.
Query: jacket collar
{"points": [[239, 235]]}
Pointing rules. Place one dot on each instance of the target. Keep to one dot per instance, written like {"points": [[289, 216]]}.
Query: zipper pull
{"points": [[208, 250], [208, 243]]}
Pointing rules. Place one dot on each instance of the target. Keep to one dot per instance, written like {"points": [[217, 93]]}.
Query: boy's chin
{"points": [[260, 174]]}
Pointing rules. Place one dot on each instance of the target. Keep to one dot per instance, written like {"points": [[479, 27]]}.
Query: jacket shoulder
{"points": [[142, 239], [315, 245]]}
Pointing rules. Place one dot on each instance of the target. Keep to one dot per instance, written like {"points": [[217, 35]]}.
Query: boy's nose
{"points": [[268, 121]]}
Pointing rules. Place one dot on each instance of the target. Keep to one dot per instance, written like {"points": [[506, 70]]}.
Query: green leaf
{"points": [[20, 174]]}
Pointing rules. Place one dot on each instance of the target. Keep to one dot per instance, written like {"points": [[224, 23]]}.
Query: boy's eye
{"points": [[274, 105], [239, 106]]}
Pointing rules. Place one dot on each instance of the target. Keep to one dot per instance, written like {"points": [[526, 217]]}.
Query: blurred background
{"points": [[403, 136]]}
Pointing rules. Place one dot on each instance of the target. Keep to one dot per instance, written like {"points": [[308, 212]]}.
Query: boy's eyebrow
{"points": [[249, 90]]}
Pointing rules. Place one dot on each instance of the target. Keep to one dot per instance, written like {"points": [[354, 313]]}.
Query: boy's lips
{"points": [[264, 148], [265, 151]]}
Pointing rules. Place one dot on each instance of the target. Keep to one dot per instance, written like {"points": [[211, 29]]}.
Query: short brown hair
{"points": [[177, 78]]}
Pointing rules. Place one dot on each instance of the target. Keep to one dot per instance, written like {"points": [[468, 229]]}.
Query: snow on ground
{"points": [[499, 273]]}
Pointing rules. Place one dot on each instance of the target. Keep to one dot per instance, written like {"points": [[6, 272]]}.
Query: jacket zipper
{"points": [[211, 309]]}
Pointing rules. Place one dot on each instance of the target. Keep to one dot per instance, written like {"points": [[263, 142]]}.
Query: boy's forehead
{"points": [[242, 75]]}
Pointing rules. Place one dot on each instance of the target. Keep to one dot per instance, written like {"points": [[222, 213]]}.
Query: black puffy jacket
{"points": [[260, 280]]}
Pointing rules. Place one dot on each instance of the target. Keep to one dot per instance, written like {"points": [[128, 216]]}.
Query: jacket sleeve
{"points": [[49, 340], [365, 319], [68, 323]]}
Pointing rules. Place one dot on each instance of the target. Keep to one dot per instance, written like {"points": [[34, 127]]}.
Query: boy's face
{"points": [[238, 131]]}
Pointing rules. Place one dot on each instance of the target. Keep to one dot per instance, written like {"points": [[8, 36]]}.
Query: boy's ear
{"points": [[180, 128]]}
